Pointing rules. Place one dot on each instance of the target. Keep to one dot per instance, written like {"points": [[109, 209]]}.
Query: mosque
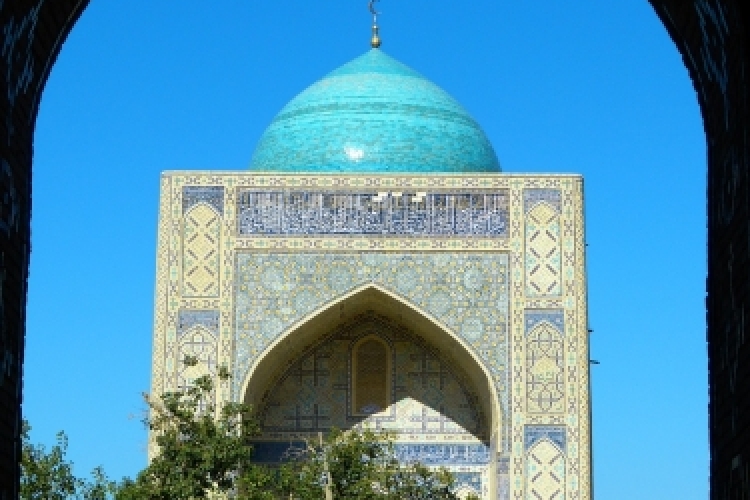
{"points": [[375, 267]]}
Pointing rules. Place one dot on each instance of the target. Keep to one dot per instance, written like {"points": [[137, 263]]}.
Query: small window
{"points": [[370, 376]]}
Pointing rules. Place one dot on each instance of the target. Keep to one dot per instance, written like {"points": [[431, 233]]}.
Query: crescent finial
{"points": [[375, 41], [372, 8]]}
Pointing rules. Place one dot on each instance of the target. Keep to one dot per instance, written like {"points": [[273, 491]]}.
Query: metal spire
{"points": [[375, 41]]}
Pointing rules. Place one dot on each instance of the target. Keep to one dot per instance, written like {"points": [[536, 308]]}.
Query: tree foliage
{"points": [[200, 451], [48, 474], [205, 452], [358, 465]]}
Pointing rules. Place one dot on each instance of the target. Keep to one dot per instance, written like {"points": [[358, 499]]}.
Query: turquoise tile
{"points": [[374, 114]]}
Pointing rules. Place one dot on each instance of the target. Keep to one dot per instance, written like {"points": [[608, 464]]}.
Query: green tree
{"points": [[205, 452], [352, 465], [200, 451], [48, 475]]}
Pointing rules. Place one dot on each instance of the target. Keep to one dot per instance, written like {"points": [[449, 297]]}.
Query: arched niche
{"points": [[462, 433], [371, 368], [305, 334]]}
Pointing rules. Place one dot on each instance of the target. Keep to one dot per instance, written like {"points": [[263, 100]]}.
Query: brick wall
{"points": [[710, 35], [31, 34]]}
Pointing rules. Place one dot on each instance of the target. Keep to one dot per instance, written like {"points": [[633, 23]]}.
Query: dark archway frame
{"points": [[710, 35]]}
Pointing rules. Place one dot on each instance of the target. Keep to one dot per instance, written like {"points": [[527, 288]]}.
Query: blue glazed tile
{"points": [[359, 213], [213, 195], [443, 455], [374, 114], [534, 433]]}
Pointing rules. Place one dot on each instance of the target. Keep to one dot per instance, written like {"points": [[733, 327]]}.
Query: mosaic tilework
{"points": [[502, 478], [197, 334], [164, 332], [200, 272], [210, 195], [555, 317], [563, 193], [384, 213], [431, 407], [533, 196], [543, 253], [372, 243], [466, 292], [545, 363], [578, 421], [374, 115], [443, 455], [187, 319], [545, 472], [534, 433], [455, 455], [427, 398], [468, 482], [197, 342]]}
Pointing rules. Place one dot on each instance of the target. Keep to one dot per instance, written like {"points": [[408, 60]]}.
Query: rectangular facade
{"points": [[495, 262]]}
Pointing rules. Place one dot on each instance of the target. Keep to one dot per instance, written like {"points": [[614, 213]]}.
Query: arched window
{"points": [[370, 376]]}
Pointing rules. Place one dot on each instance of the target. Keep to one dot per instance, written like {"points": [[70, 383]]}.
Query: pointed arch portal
{"points": [[372, 299], [424, 381]]}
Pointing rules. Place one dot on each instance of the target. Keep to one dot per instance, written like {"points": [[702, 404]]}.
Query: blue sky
{"points": [[591, 87]]}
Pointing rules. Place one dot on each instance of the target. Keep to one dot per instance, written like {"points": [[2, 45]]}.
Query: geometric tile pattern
{"points": [[202, 238], [503, 491], [188, 318], [555, 317], [466, 292], [545, 378], [443, 455], [545, 472], [467, 482], [198, 342], [210, 195], [431, 407], [382, 213], [427, 397], [491, 290], [554, 433], [533, 196], [543, 256]]}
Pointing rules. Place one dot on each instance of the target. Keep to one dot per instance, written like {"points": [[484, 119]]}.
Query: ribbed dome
{"points": [[374, 114]]}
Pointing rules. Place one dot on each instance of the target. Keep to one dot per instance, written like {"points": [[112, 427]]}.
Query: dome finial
{"points": [[375, 41]]}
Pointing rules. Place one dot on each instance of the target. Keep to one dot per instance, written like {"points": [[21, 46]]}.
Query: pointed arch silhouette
{"points": [[370, 297]]}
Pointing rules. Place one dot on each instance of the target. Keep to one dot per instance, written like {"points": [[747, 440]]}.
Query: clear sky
{"points": [[594, 87]]}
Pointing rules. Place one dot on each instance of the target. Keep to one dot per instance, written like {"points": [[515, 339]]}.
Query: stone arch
{"points": [[295, 352], [373, 298]]}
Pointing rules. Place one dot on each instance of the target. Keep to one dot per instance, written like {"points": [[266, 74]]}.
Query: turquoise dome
{"points": [[374, 114]]}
